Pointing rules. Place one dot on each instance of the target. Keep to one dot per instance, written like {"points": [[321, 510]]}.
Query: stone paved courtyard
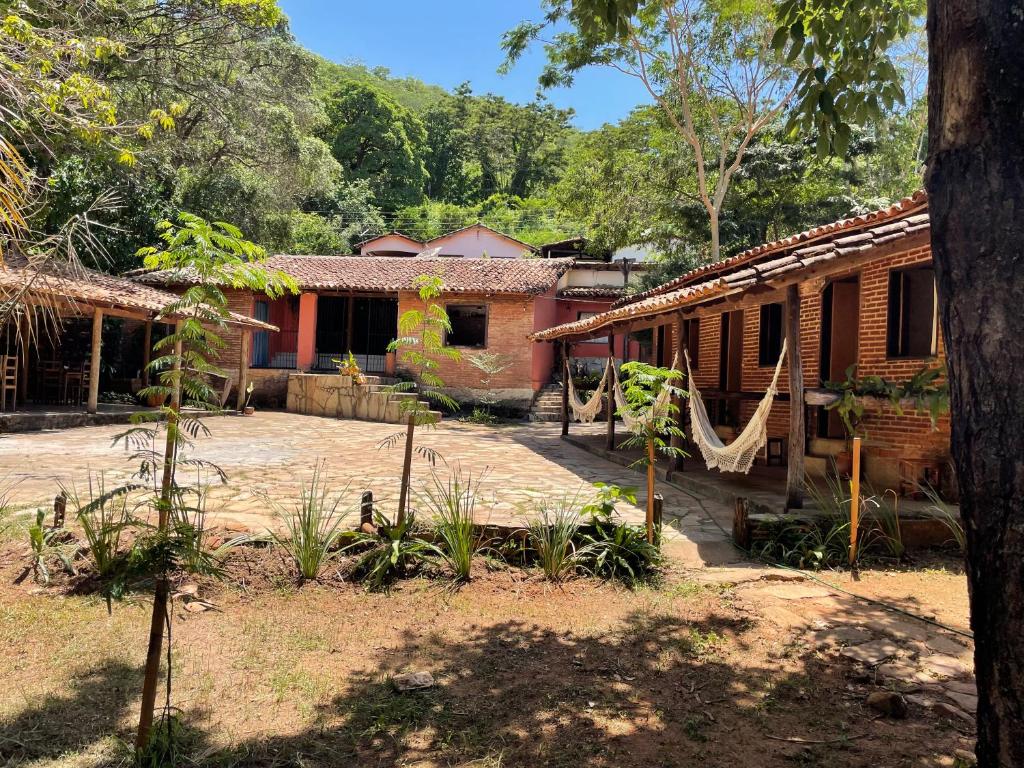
{"points": [[272, 455]]}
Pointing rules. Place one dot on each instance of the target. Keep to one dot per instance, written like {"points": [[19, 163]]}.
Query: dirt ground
{"points": [[698, 670]]}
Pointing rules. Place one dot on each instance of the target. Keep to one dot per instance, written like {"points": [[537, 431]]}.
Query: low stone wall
{"points": [[340, 397]]}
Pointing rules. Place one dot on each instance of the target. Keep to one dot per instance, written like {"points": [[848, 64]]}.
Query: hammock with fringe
{"points": [[587, 412], [739, 455]]}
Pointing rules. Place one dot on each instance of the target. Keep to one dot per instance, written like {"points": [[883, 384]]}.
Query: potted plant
{"points": [[248, 409], [349, 366]]}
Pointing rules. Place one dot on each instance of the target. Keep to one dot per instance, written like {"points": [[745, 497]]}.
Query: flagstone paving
{"points": [[269, 457]]}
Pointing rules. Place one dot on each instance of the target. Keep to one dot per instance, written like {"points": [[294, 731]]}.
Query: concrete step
{"points": [[545, 417]]}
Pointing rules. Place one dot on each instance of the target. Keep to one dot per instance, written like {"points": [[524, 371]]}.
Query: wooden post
{"points": [[659, 510], [565, 388], [676, 441], [350, 305], [366, 509], [797, 433], [94, 360], [243, 367], [25, 339], [854, 500], [650, 491], [147, 352], [609, 407]]}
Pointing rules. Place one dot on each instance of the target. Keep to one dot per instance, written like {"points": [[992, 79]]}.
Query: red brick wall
{"points": [[888, 435], [509, 322]]}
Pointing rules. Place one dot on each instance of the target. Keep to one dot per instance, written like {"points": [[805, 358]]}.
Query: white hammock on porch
{"points": [[737, 456], [658, 408], [587, 412]]}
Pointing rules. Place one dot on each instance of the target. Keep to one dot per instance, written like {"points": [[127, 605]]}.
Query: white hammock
{"points": [[657, 410], [587, 412], [737, 456]]}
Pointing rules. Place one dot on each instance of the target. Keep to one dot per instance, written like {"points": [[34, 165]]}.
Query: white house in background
{"points": [[473, 242]]}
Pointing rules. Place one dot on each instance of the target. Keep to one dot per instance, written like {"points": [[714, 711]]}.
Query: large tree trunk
{"points": [[976, 199]]}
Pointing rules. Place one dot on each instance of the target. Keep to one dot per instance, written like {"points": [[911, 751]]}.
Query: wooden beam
{"points": [[94, 360], [609, 406], [797, 435], [676, 441], [565, 388], [243, 368], [147, 352]]}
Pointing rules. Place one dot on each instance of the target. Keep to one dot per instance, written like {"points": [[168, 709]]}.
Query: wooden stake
{"points": [[854, 500], [650, 491], [609, 408], [565, 388]]}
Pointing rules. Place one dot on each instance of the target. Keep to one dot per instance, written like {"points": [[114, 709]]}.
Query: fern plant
{"points": [[421, 350]]}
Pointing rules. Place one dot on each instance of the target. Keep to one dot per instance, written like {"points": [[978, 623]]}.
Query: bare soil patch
{"points": [[527, 673]]}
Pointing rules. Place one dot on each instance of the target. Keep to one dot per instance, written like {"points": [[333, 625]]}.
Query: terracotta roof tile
{"points": [[762, 265], [908, 205], [381, 273], [79, 285], [591, 292]]}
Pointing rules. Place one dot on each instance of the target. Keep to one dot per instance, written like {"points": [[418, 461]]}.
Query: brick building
{"points": [[862, 291]]}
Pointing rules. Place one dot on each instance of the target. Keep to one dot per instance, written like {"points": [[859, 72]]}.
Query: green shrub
{"points": [[618, 551], [481, 415], [553, 533], [313, 527], [945, 513], [104, 517], [393, 551], [452, 504]]}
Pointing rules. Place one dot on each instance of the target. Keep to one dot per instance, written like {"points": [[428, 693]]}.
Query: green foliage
{"points": [[841, 52], [104, 516], [606, 496], [946, 514], [452, 504], [421, 348], [920, 389], [553, 531], [642, 385], [349, 367], [46, 543], [393, 551], [374, 138], [617, 550], [535, 220], [312, 528]]}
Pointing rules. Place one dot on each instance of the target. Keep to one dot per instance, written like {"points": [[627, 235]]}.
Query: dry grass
{"points": [[529, 674]]}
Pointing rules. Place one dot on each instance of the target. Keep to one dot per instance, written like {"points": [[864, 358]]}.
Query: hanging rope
{"points": [[739, 455], [657, 410], [587, 412]]}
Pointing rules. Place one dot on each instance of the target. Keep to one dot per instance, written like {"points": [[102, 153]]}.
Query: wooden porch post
{"points": [[350, 304], [797, 436], [147, 352], [676, 441], [565, 388], [609, 441], [25, 334], [243, 367], [94, 360]]}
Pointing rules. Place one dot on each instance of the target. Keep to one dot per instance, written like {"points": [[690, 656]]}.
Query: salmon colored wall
{"points": [[568, 312], [546, 310], [306, 350], [473, 243]]}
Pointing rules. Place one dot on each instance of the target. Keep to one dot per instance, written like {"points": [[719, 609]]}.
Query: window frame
{"points": [[487, 325], [765, 358], [585, 314], [894, 343]]}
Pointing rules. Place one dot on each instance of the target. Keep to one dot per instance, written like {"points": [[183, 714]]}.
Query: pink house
{"points": [[477, 241]]}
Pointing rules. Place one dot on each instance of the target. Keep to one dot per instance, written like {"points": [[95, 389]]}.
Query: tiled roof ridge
{"points": [[901, 208]]}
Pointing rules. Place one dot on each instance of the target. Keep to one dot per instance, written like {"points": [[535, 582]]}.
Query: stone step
{"points": [[545, 417]]}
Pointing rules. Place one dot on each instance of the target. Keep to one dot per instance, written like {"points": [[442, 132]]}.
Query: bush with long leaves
{"points": [[312, 528], [392, 552], [553, 533], [104, 517], [452, 504]]}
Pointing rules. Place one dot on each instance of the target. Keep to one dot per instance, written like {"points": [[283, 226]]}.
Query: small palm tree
{"points": [[421, 349], [652, 417]]}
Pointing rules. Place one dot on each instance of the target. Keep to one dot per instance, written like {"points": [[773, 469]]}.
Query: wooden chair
{"points": [[8, 381], [51, 381], [76, 384]]}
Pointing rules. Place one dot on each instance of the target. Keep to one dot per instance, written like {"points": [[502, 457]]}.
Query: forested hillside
{"points": [[220, 112]]}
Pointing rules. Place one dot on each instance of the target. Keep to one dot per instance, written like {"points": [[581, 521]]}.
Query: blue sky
{"points": [[449, 41]]}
